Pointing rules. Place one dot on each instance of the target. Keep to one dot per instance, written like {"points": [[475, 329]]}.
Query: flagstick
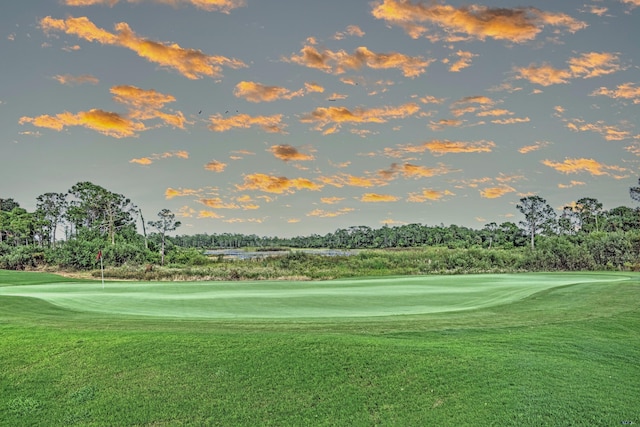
{"points": [[102, 270]]}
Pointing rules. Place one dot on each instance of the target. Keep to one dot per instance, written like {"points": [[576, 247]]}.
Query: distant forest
{"points": [[94, 220]]}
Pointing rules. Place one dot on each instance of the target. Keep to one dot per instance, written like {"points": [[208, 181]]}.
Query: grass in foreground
{"points": [[563, 356]]}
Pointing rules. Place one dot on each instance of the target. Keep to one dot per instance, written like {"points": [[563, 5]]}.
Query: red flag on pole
{"points": [[99, 255]]}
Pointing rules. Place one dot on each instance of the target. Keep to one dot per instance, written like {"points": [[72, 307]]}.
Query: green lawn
{"points": [[529, 349]]}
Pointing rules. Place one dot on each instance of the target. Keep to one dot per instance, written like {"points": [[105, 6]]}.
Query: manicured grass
{"points": [[564, 351], [286, 299]]}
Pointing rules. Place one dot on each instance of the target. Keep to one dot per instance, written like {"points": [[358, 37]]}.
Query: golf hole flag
{"points": [[99, 256]]}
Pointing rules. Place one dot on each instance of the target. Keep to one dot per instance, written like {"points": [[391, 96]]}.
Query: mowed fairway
{"points": [[475, 350], [288, 300]]}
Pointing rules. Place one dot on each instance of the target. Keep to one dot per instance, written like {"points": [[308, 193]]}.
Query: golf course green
{"points": [[290, 300], [531, 349]]}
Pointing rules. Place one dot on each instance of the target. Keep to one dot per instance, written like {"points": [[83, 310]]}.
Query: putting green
{"points": [[287, 300]]}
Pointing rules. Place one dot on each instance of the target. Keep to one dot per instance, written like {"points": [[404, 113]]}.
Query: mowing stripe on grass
{"points": [[283, 299]]}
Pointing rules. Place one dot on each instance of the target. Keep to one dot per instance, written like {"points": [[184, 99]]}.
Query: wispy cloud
{"points": [[191, 63], [276, 184], [150, 159], [533, 147], [105, 122], [224, 6], [409, 170], [608, 132], [288, 153], [218, 203], [428, 194], [142, 105], [146, 104], [495, 192], [347, 180], [477, 22], [215, 166], [579, 165], [339, 62], [444, 147], [377, 198], [623, 91], [68, 79], [587, 65], [445, 123], [271, 124], [571, 184], [351, 30], [330, 214], [463, 61], [170, 193], [329, 119], [257, 92], [331, 200]]}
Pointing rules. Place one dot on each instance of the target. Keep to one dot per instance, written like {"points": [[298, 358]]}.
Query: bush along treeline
{"points": [[92, 220]]}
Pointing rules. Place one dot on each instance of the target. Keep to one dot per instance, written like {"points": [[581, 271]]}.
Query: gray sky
{"points": [[290, 117]]}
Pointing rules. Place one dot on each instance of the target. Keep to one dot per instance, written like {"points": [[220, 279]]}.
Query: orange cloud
{"points": [[608, 132], [146, 104], [408, 170], [544, 75], [623, 91], [89, 2], [342, 180], [572, 184], [632, 3], [494, 113], [242, 220], [224, 6], [431, 100], [104, 122], [529, 148], [276, 184], [256, 92], [313, 87], [583, 165], [594, 64], [271, 124], [476, 99], [323, 116], [463, 62], [170, 193], [191, 63], [511, 120], [444, 147], [478, 22], [68, 79], [217, 203], [150, 159], [375, 198], [495, 192], [145, 161], [327, 214], [215, 166], [587, 65], [428, 194], [339, 62], [209, 214], [331, 200], [351, 30], [142, 105], [286, 152], [445, 123]]}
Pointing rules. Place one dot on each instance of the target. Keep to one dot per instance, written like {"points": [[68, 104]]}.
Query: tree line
{"points": [[68, 229]]}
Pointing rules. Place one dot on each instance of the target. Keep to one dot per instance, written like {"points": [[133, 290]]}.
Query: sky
{"points": [[293, 117]]}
